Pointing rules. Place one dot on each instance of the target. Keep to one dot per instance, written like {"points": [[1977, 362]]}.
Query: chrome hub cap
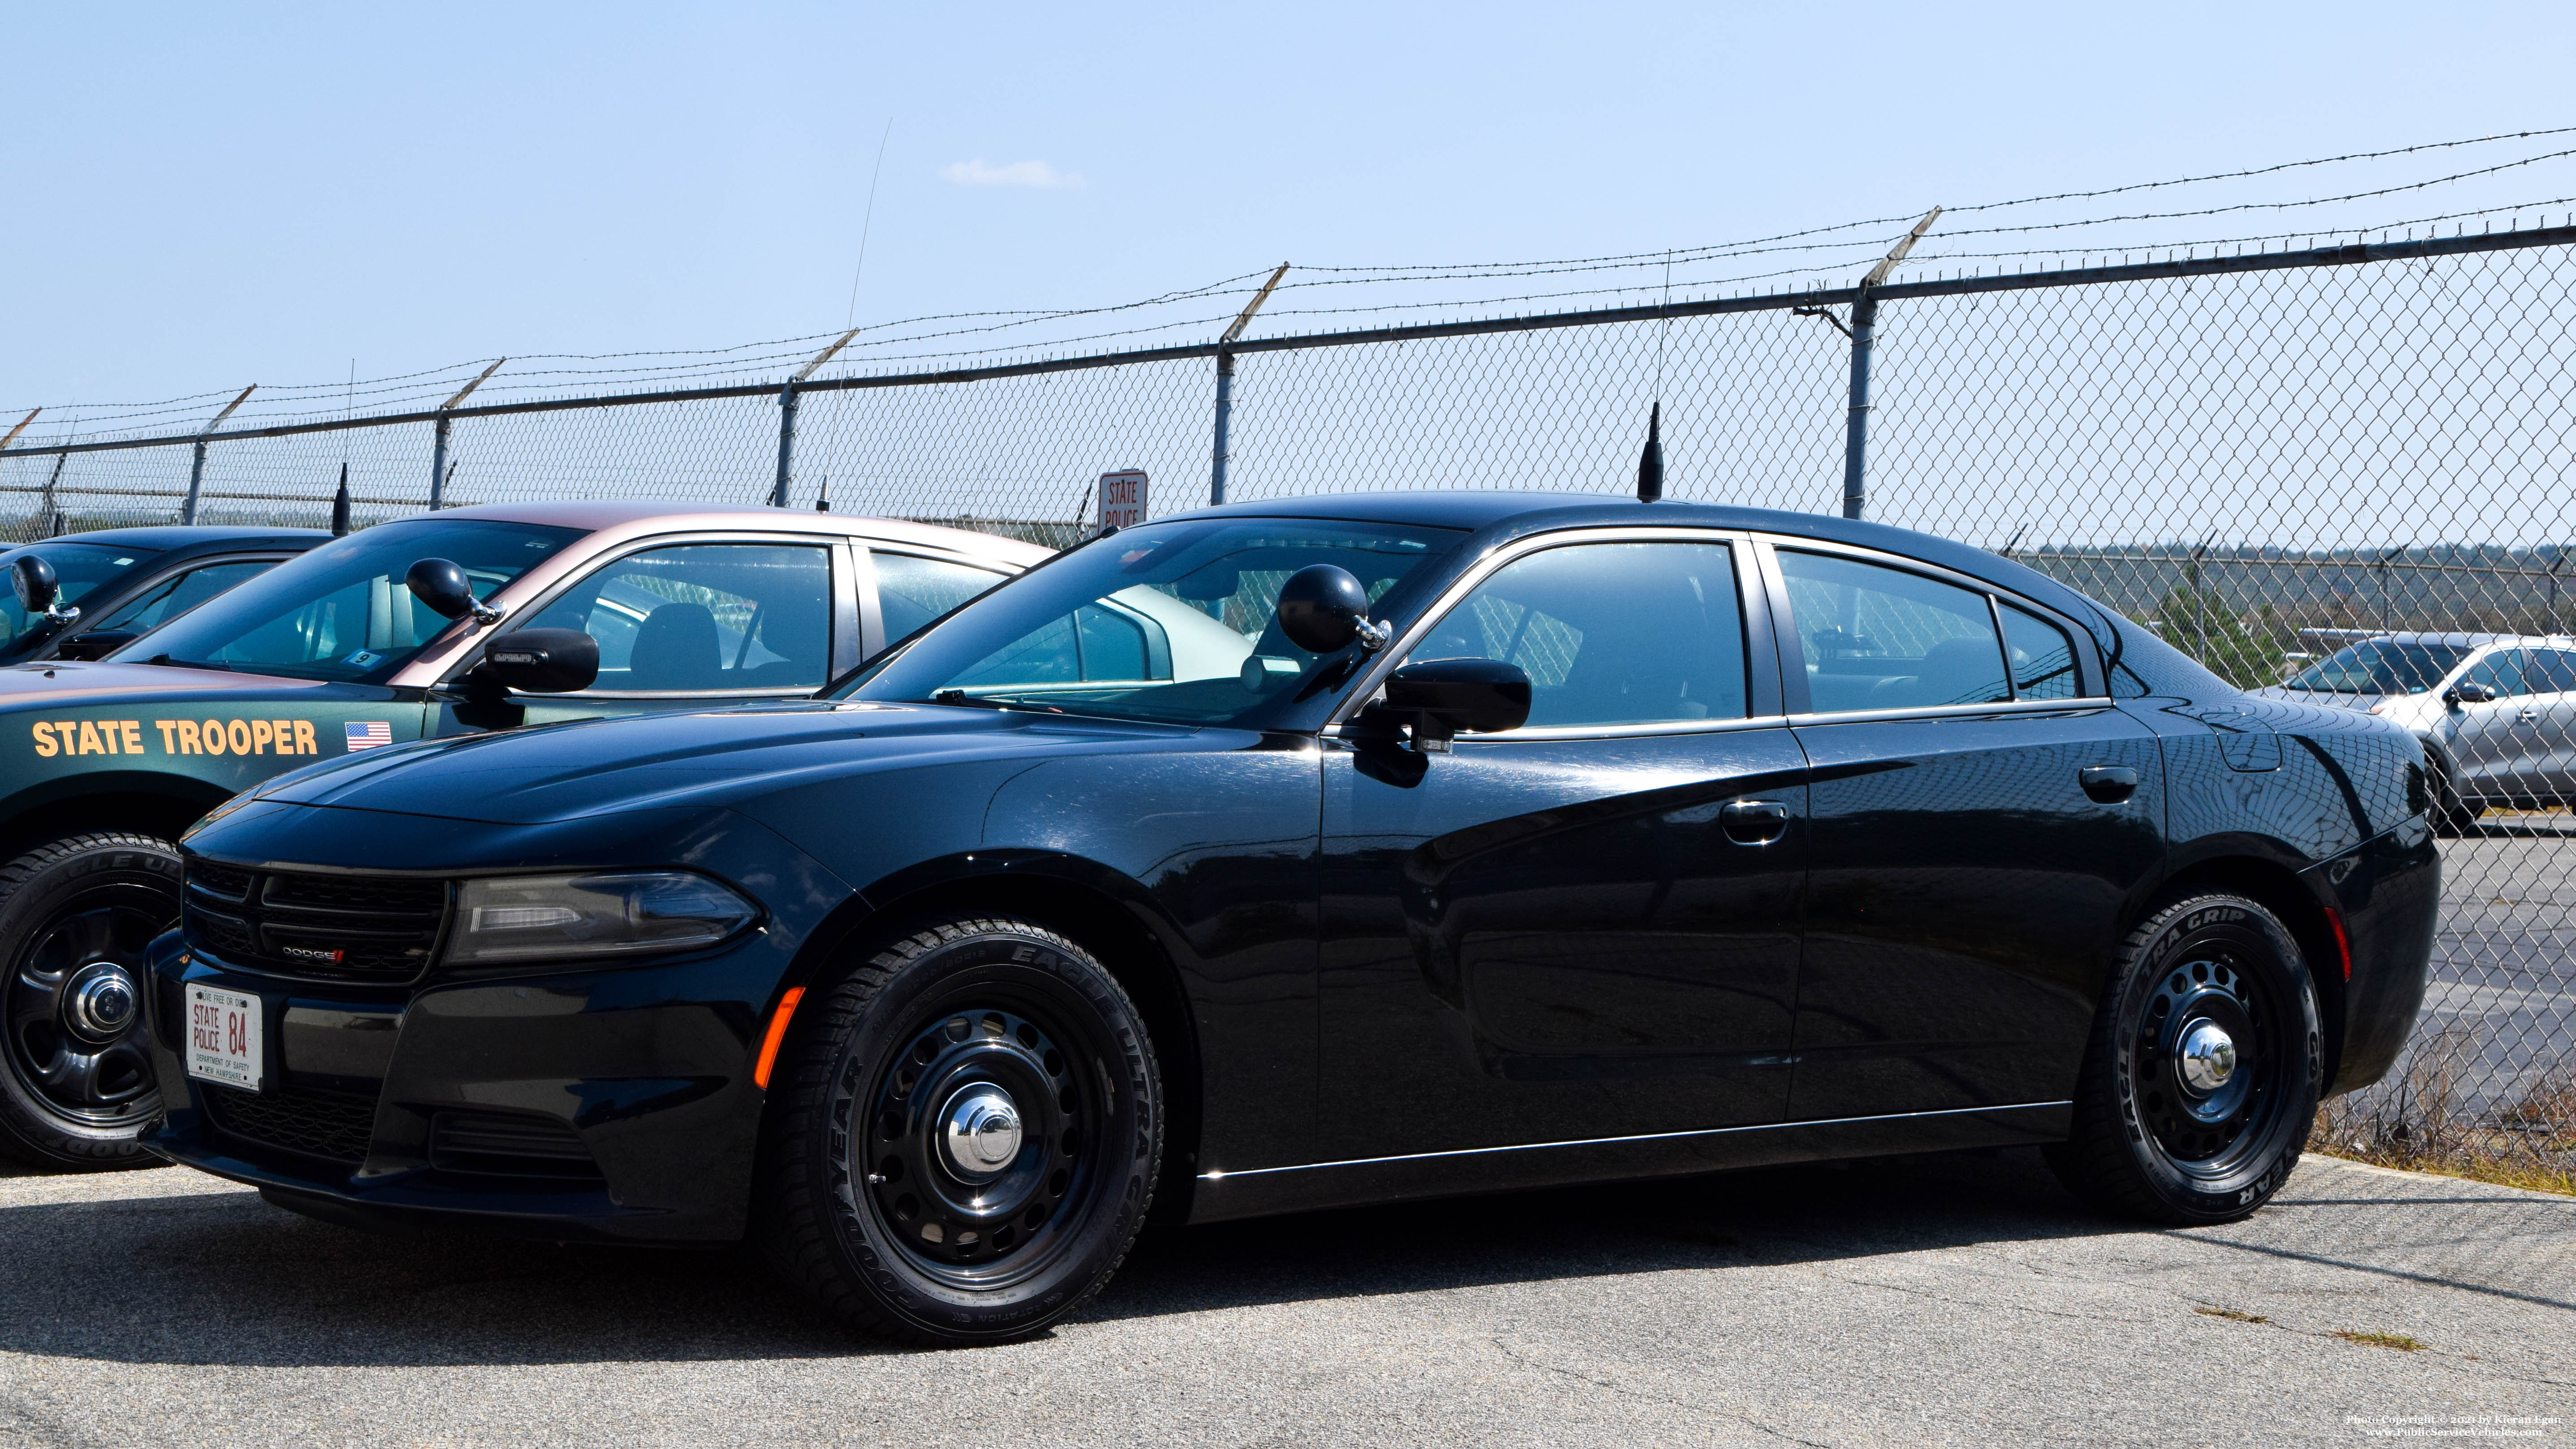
{"points": [[99, 1002], [983, 1132], [2208, 1057]]}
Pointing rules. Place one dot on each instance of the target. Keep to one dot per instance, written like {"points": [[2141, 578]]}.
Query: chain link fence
{"points": [[2264, 457]]}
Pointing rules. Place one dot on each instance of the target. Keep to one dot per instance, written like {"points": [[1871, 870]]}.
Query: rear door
{"points": [[1964, 886]]}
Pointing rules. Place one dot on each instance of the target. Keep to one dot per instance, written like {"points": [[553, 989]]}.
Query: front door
{"points": [[690, 626], [1587, 928], [1964, 880], [2548, 717], [2489, 738]]}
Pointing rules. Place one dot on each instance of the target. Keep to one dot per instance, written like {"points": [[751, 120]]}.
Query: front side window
{"points": [[1161, 622], [705, 617], [341, 612], [79, 568], [2500, 671], [2379, 666], [179, 593], [2550, 671], [1880, 638], [1609, 633]]}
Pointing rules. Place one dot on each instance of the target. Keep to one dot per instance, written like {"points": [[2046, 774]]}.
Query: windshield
{"points": [[1166, 622], [341, 612], [2380, 666], [81, 568]]}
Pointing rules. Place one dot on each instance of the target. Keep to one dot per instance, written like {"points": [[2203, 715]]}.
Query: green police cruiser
{"points": [[449, 623]]}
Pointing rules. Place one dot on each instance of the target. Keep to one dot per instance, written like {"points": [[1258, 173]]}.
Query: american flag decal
{"points": [[368, 735]]}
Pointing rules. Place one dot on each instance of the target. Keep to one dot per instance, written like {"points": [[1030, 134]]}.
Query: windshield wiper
{"points": [[961, 697], [188, 663]]}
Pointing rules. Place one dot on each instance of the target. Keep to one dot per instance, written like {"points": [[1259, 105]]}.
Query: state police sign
{"points": [[1122, 499]]}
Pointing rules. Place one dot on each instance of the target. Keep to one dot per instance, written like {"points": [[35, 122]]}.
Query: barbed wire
{"points": [[905, 342]]}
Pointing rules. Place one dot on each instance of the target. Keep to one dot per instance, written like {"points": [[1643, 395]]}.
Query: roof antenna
{"points": [[1650, 463], [823, 500], [340, 506]]}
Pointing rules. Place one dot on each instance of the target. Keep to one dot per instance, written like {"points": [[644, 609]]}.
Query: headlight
{"points": [[606, 913]]}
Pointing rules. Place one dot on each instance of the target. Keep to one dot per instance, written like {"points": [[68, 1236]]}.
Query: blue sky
{"points": [[204, 197]]}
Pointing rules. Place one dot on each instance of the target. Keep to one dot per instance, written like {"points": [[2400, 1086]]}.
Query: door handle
{"points": [[2530, 716], [2108, 784], [1753, 822]]}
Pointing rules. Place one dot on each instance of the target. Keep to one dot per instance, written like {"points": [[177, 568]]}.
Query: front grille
{"points": [[497, 1142], [336, 1125], [325, 927]]}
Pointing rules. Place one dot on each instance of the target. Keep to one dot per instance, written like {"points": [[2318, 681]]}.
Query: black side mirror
{"points": [[1322, 608], [447, 591], [96, 644], [1445, 696], [540, 661], [2468, 691], [34, 580]]}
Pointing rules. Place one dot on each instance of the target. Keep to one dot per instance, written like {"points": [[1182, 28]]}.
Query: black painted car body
{"points": [[1564, 952]]}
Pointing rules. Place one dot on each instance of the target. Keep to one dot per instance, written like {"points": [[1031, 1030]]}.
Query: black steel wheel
{"points": [[2204, 1068], [963, 1135], [76, 1087]]}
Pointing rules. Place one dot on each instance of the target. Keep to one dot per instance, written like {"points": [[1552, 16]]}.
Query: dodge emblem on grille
{"points": [[308, 953]]}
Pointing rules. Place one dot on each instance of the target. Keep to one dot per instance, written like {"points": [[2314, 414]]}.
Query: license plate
{"points": [[224, 1035]]}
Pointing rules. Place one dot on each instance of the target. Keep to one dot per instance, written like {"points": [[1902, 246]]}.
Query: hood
{"points": [[57, 683], [710, 758]]}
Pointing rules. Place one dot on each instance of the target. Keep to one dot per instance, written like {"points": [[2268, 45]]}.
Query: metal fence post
{"points": [[1224, 420], [1864, 336], [1864, 340], [438, 448], [787, 418], [786, 443], [1223, 451], [197, 465]]}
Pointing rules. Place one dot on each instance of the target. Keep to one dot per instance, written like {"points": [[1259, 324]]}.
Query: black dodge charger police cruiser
{"points": [[1296, 854]]}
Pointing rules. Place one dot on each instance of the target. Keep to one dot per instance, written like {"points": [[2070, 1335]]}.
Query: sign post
{"points": [[1122, 500]]}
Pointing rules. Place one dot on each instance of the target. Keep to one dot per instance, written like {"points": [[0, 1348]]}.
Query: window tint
{"points": [[1881, 638], [179, 593], [913, 591], [706, 616], [2500, 671], [2043, 658], [2550, 671], [2379, 666], [1610, 633]]}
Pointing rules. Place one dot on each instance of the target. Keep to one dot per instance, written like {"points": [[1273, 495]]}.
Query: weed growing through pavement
{"points": [[2401, 1342], [2232, 1316], [2422, 1121]]}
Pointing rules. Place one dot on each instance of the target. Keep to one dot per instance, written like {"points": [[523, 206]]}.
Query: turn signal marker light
{"points": [[777, 1034]]}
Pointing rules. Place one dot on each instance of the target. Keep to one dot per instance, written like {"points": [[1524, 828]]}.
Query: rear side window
{"points": [[179, 593], [1873, 637], [1610, 633], [912, 591], [2042, 657]]}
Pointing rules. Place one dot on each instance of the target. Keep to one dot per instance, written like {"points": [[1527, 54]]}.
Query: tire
{"points": [[2453, 817], [76, 1087], [2153, 1139], [873, 1202]]}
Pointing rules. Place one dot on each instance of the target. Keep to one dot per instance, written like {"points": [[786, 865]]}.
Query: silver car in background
{"points": [[2496, 712]]}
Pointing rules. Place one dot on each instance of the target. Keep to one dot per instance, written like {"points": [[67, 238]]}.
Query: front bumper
{"points": [[611, 1102]]}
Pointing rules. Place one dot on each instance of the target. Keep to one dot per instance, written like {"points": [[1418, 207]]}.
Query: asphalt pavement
{"points": [[1939, 1300]]}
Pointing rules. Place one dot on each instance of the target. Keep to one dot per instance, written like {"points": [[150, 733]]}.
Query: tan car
{"points": [[103, 764]]}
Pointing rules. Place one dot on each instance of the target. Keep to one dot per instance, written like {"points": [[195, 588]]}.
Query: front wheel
{"points": [[76, 1089], [964, 1135], [2203, 1069]]}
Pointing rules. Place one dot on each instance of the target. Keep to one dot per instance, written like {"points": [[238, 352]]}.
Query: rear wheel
{"points": [[76, 1087], [2203, 1070], [964, 1136]]}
